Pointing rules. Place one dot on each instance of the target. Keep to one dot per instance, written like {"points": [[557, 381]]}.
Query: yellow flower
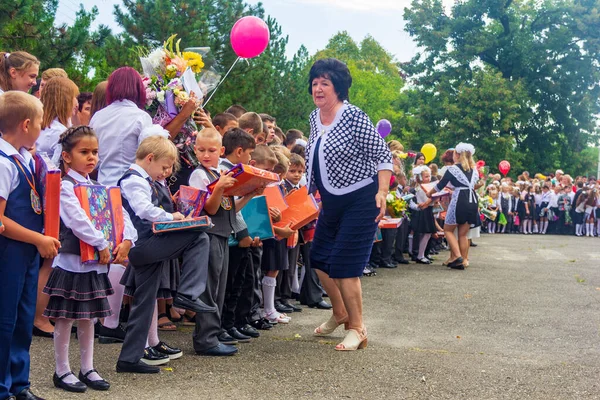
{"points": [[171, 71], [194, 61]]}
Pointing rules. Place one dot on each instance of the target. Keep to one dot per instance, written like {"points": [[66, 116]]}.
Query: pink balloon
{"points": [[249, 37]]}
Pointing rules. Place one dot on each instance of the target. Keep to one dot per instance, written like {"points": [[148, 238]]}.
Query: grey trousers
{"points": [[208, 325], [148, 258]]}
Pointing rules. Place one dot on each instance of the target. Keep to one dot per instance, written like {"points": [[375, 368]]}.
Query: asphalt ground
{"points": [[521, 322]]}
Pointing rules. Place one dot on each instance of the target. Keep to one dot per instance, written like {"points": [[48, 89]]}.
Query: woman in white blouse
{"points": [[121, 125]]}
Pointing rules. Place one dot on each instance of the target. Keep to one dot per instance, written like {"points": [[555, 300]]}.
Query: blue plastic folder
{"points": [[256, 215]]}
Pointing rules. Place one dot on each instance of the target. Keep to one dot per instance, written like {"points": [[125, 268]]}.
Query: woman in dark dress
{"points": [[350, 164], [462, 210]]}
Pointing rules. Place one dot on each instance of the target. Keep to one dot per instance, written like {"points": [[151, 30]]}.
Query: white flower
{"points": [[160, 96], [157, 58], [390, 197]]}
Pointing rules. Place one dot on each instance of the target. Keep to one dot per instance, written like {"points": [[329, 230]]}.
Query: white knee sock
{"points": [[62, 338], [545, 226], [578, 229], [423, 245], [268, 287], [85, 335], [116, 299]]}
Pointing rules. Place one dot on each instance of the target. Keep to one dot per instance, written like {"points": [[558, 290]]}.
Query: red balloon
{"points": [[504, 167], [249, 37]]}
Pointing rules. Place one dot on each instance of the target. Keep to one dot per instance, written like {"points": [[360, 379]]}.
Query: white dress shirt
{"points": [[48, 140], [120, 128], [76, 219], [138, 192], [9, 174], [200, 180]]}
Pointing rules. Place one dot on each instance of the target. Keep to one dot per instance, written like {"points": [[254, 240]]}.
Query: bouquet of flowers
{"points": [[484, 203], [171, 81], [396, 205]]}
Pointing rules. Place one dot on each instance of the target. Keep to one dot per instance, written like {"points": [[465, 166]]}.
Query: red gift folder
{"points": [[390, 223], [48, 178], [274, 195], [302, 209], [428, 186], [249, 179], [104, 208]]}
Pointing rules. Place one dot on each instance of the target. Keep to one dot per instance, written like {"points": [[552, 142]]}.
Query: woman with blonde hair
{"points": [[462, 211], [18, 71], [60, 100]]}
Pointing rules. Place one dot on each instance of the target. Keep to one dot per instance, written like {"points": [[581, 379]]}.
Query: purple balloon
{"points": [[384, 127]]}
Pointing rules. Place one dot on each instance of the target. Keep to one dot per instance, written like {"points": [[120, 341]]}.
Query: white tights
{"points": [[116, 299], [423, 245], [62, 338]]}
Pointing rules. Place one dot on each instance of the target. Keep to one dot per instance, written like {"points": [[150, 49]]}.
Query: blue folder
{"points": [[256, 215]]}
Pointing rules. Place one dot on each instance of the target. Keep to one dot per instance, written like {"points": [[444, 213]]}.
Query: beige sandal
{"points": [[354, 340], [328, 327]]}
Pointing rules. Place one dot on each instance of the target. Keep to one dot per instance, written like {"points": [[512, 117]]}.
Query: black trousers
{"points": [[311, 291], [401, 240], [248, 307], [239, 263], [387, 245]]}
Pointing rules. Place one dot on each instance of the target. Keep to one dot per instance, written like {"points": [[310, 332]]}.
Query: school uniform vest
{"points": [[143, 227], [69, 243], [19, 209], [224, 218], [505, 202]]}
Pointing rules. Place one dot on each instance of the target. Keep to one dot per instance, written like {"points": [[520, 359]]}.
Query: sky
{"points": [[307, 22]]}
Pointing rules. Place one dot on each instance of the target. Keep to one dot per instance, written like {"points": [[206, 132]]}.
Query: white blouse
{"points": [[76, 219], [120, 128], [9, 174], [48, 140], [138, 193]]}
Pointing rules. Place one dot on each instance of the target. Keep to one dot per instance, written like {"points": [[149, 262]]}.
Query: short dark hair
{"points": [[291, 135], [236, 137], [267, 118], [222, 119], [297, 160], [83, 98], [236, 110], [299, 149], [334, 70]]}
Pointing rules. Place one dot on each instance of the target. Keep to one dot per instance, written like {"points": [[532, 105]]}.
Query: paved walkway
{"points": [[521, 323]]}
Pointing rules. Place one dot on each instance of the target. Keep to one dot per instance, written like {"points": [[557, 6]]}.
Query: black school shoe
{"points": [[77, 387], [96, 385], [322, 305], [220, 350], [283, 308], [172, 352], [261, 324], [240, 337], [109, 335], [136, 368], [226, 338], [292, 306], [153, 357], [197, 305], [249, 330], [26, 394]]}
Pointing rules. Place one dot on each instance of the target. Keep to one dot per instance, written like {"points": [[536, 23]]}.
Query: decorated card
{"points": [[104, 208], [199, 224], [190, 201], [48, 178], [248, 178]]}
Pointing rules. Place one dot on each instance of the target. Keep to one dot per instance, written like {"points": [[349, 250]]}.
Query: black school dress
{"points": [[463, 207]]}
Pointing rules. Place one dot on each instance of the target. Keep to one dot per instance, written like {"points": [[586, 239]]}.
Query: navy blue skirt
{"points": [[345, 231]]}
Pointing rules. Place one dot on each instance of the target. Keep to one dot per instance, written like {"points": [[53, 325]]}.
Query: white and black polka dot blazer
{"points": [[351, 151]]}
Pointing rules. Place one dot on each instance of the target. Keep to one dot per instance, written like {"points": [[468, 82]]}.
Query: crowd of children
{"points": [[225, 282]]}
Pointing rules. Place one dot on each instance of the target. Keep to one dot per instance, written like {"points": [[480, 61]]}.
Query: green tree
{"points": [[30, 25], [549, 48], [147, 23]]}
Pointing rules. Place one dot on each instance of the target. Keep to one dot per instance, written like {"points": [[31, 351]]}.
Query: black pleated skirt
{"points": [[77, 295]]}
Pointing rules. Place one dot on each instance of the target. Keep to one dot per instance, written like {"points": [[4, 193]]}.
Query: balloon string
{"points": [[222, 80]]}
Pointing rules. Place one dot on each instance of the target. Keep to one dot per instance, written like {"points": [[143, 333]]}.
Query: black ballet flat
{"points": [[96, 385], [457, 264], [40, 333], [77, 387]]}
